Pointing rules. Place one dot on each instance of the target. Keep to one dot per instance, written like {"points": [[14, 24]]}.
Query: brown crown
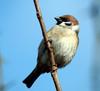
{"points": [[69, 18]]}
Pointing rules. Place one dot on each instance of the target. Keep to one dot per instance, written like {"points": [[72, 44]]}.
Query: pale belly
{"points": [[64, 50]]}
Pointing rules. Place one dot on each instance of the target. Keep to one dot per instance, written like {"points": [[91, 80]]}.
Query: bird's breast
{"points": [[64, 43], [64, 50]]}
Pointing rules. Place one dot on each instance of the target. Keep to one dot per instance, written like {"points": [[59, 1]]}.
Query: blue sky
{"points": [[21, 35]]}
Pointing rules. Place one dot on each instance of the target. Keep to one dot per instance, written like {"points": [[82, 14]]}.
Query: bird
{"points": [[64, 39]]}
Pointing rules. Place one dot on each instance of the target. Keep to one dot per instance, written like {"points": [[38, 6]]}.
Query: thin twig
{"points": [[2, 87], [49, 48]]}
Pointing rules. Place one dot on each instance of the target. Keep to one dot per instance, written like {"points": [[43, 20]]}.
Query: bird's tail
{"points": [[32, 77]]}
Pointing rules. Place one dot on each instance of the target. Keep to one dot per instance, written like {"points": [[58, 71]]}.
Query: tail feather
{"points": [[32, 77]]}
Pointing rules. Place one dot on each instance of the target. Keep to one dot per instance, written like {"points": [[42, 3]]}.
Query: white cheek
{"points": [[75, 28], [63, 24]]}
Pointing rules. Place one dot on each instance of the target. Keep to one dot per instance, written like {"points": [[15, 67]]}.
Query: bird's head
{"points": [[68, 21]]}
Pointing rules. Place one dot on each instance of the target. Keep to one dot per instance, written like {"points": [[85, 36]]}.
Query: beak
{"points": [[58, 19]]}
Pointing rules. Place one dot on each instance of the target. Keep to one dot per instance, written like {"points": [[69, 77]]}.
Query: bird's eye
{"points": [[68, 23]]}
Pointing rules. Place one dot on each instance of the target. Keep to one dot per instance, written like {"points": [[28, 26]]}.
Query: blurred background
{"points": [[20, 35]]}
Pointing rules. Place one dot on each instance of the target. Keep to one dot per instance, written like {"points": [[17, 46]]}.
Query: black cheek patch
{"points": [[68, 23]]}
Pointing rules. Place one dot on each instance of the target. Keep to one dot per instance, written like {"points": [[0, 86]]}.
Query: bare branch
{"points": [[49, 47]]}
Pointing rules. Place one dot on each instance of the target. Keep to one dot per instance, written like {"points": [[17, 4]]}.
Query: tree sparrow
{"points": [[64, 40]]}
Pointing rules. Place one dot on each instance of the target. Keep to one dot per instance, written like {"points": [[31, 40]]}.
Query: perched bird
{"points": [[64, 39]]}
